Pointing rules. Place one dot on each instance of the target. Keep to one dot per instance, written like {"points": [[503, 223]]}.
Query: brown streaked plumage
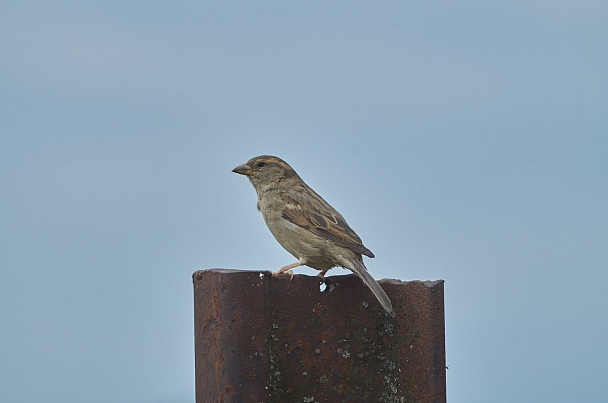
{"points": [[309, 210], [305, 224]]}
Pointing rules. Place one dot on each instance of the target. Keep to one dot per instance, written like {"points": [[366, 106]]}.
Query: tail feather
{"points": [[361, 271]]}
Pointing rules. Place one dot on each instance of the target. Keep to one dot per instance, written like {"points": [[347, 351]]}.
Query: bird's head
{"points": [[265, 170]]}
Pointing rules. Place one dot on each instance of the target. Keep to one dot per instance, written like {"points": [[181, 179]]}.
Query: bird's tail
{"points": [[361, 271]]}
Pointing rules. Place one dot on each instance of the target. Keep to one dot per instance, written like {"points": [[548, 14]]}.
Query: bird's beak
{"points": [[243, 169]]}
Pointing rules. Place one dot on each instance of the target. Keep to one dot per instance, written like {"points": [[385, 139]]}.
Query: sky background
{"points": [[464, 141]]}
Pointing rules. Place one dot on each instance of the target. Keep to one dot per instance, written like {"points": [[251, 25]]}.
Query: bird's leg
{"points": [[287, 269], [326, 284], [322, 274]]}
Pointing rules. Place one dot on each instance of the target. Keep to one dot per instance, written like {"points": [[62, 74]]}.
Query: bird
{"points": [[306, 225]]}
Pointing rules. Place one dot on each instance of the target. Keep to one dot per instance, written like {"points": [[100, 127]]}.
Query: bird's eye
{"points": [[261, 164]]}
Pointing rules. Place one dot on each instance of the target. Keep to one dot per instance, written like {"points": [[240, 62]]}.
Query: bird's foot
{"points": [[286, 270], [321, 275], [280, 272], [326, 285]]}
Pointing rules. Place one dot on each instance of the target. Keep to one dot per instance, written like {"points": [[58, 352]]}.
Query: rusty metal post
{"points": [[262, 338]]}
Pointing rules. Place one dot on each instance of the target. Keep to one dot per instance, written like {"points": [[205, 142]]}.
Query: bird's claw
{"points": [[279, 272]]}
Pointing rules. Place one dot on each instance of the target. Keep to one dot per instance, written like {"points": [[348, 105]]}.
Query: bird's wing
{"points": [[308, 210]]}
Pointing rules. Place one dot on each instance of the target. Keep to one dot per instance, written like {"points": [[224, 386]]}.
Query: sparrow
{"points": [[306, 225]]}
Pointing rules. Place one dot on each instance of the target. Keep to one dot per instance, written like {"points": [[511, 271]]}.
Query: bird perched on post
{"points": [[306, 225]]}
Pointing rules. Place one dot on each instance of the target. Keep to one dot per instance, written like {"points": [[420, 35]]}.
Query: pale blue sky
{"points": [[466, 141]]}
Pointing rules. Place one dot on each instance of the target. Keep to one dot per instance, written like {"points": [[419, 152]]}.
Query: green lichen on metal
{"points": [[341, 367]]}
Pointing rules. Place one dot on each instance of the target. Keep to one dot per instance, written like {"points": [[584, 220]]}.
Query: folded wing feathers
{"points": [[328, 224]]}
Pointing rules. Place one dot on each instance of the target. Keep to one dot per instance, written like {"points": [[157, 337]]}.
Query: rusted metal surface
{"points": [[263, 338]]}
